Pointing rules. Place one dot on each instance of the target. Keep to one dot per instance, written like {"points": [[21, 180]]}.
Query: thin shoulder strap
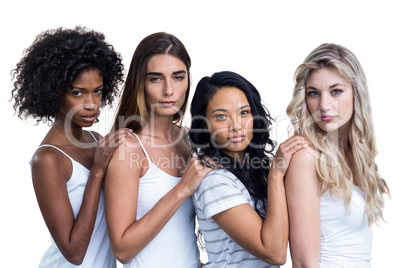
{"points": [[92, 136], [49, 145], [143, 148]]}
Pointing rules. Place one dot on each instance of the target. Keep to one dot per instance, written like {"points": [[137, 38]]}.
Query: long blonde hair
{"points": [[332, 170]]}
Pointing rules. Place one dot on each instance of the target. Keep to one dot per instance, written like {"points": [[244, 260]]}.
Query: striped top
{"points": [[219, 191]]}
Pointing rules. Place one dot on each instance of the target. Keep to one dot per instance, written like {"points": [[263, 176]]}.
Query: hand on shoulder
{"points": [[107, 146], [285, 153], [305, 156]]}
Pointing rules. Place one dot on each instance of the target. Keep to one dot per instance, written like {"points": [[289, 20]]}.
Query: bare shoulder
{"points": [[129, 150], [302, 166], [304, 156], [47, 156], [131, 144], [49, 161], [126, 163]]}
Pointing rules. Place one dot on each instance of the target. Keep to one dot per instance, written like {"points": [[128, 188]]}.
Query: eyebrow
{"points": [[81, 88], [156, 73], [224, 110], [337, 85], [331, 86]]}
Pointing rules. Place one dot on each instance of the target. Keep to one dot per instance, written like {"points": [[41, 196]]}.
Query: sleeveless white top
{"points": [[345, 235], [99, 253], [176, 244]]}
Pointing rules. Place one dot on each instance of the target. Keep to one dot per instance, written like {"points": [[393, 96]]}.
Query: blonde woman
{"points": [[334, 191]]}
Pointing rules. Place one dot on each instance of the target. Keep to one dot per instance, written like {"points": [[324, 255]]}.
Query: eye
{"points": [[245, 112], [179, 77], [336, 91], [98, 91], [76, 93], [312, 93], [155, 79], [220, 117]]}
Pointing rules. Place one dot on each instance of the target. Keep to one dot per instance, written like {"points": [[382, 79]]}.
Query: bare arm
{"points": [[128, 236], [303, 197], [266, 239], [49, 174]]}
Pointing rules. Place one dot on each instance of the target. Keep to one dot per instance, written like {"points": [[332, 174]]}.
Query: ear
{"points": [[191, 78]]}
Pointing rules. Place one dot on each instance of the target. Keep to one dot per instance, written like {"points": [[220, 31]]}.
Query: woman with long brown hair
{"points": [[149, 211]]}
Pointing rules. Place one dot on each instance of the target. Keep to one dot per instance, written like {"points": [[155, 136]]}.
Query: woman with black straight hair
{"points": [[241, 205]]}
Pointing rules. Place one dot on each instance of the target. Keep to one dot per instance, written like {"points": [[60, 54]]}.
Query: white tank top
{"points": [[176, 244], [345, 235], [99, 253]]}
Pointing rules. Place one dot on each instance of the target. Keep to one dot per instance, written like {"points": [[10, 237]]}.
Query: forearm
{"points": [[82, 228], [275, 231], [141, 232]]}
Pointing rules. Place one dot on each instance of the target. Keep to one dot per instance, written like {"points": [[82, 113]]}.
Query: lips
{"points": [[167, 103], [89, 118], [235, 139], [327, 118]]}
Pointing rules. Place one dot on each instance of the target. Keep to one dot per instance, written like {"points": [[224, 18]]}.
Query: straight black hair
{"points": [[253, 170]]}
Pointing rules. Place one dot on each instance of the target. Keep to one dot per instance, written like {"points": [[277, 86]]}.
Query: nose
{"points": [[325, 102], [235, 123], [90, 102], [168, 88]]}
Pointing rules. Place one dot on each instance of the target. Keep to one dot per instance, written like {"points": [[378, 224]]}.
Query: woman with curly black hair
{"points": [[63, 79], [241, 207]]}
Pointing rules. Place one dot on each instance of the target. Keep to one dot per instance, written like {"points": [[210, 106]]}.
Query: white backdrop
{"points": [[262, 40]]}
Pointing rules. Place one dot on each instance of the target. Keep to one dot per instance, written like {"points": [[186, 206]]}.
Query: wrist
{"points": [[181, 193], [97, 173], [275, 175]]}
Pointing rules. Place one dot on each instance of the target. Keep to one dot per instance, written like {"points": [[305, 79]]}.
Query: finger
{"points": [[198, 163], [296, 148], [119, 139], [111, 137], [293, 142], [293, 139], [206, 170], [113, 141]]}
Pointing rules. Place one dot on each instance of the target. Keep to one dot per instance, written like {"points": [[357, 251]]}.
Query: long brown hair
{"points": [[132, 112]]}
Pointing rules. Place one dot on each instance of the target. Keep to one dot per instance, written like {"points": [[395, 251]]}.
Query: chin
{"points": [[328, 127], [166, 112], [236, 149]]}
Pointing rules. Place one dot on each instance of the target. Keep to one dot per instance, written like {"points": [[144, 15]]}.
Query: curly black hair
{"points": [[53, 61]]}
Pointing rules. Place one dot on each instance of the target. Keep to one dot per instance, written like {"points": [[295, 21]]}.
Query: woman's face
{"points": [[81, 104], [231, 121], [329, 99], [166, 84]]}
